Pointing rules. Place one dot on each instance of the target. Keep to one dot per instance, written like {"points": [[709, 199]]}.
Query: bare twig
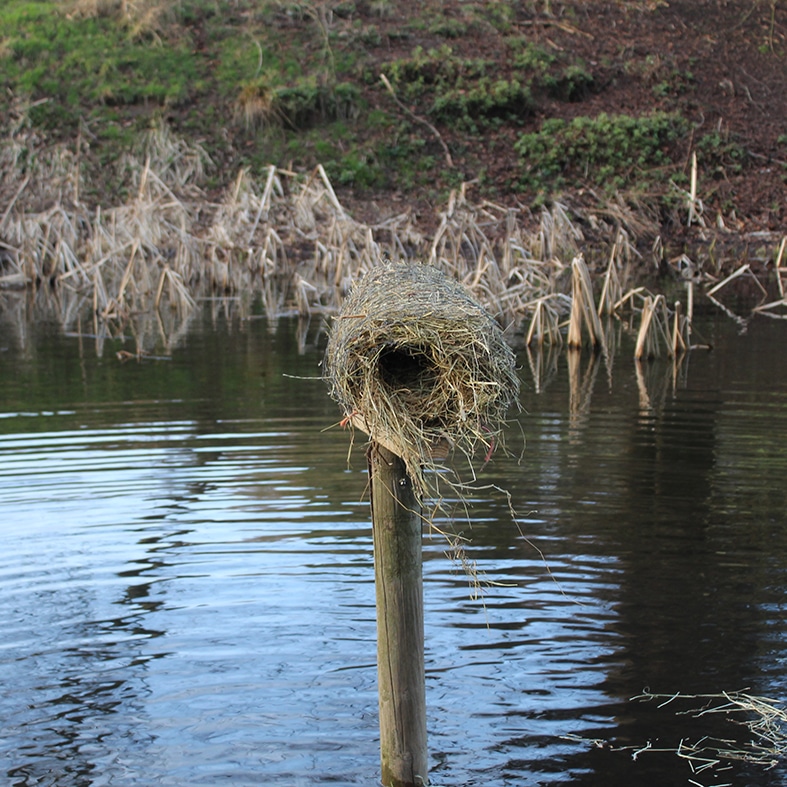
{"points": [[448, 160]]}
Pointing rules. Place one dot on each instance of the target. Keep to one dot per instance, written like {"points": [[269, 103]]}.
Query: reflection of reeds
{"points": [[581, 385], [651, 327], [543, 366]]}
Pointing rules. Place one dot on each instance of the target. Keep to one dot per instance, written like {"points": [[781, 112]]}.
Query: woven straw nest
{"points": [[419, 366]]}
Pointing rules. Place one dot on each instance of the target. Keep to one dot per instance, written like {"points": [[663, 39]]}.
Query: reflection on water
{"points": [[186, 582]]}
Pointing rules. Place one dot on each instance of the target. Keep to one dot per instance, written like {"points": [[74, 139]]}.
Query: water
{"points": [[186, 579]]}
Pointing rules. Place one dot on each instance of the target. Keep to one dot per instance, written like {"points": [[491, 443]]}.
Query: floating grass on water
{"points": [[764, 719]]}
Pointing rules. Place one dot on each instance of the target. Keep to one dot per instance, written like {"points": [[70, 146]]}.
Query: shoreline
{"points": [[291, 242]]}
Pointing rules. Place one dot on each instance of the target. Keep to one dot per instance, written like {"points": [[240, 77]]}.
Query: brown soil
{"points": [[720, 63]]}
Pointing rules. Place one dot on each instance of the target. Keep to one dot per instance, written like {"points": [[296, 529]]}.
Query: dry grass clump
{"points": [[764, 719], [418, 365]]}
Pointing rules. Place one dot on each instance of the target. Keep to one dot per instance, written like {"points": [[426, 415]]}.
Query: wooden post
{"points": [[398, 578]]}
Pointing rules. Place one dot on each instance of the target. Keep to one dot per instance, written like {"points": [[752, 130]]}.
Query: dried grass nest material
{"points": [[419, 366]]}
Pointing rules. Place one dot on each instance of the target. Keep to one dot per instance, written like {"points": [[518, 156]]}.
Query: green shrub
{"points": [[307, 102], [720, 154], [573, 83], [530, 57], [355, 168], [559, 77], [448, 28], [607, 150], [407, 161], [484, 101], [437, 70]]}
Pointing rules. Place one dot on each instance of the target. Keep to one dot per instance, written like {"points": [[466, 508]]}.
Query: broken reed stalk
{"points": [[679, 344], [653, 326], [583, 308], [612, 290], [778, 266], [643, 348], [771, 309], [545, 322], [536, 330], [693, 190], [724, 282]]}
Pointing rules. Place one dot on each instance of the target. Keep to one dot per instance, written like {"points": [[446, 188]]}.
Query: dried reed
{"points": [[290, 240], [771, 309], [583, 308], [287, 240]]}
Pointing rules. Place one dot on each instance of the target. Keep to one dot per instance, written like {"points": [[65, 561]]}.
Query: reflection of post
{"points": [[396, 521]]}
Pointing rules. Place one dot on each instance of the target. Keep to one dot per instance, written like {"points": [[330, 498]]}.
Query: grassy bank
{"points": [[154, 154], [526, 100]]}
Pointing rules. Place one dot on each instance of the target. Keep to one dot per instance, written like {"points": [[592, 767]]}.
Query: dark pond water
{"points": [[186, 579]]}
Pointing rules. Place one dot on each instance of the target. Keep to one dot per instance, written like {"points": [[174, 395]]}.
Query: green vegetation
{"points": [[115, 70], [476, 88], [434, 72], [563, 78], [610, 150], [79, 63], [487, 100], [662, 74], [465, 90], [720, 154]]}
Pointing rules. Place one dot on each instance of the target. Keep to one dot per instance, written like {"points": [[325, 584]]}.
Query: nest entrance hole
{"points": [[406, 367]]}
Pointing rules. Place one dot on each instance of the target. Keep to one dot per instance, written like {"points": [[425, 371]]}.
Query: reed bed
{"points": [[287, 240]]}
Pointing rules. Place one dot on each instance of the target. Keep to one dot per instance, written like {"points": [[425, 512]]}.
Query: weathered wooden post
{"points": [[420, 367], [397, 525]]}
